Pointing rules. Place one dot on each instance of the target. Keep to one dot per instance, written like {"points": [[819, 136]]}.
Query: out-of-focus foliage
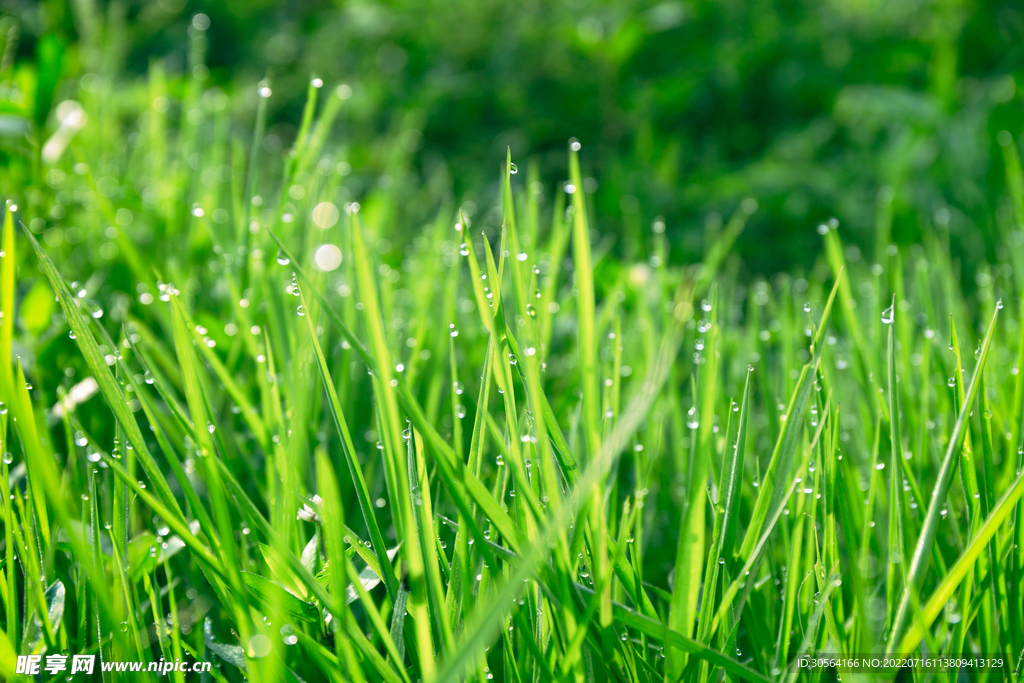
{"points": [[814, 108]]}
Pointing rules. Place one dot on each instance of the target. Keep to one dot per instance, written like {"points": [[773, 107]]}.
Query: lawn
{"points": [[256, 415]]}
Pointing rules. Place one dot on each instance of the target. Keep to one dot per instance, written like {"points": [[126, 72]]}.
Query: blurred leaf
{"points": [[34, 629], [8, 658], [49, 65], [276, 597], [37, 308]]}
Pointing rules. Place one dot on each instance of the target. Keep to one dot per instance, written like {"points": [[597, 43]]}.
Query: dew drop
{"points": [[282, 258], [887, 315]]}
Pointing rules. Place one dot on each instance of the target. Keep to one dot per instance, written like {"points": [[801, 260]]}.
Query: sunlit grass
{"points": [[327, 446]]}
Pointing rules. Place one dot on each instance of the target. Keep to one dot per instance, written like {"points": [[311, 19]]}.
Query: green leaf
{"points": [[49, 65], [37, 308]]}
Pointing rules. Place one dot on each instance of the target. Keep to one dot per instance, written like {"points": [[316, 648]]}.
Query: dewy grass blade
{"points": [[246, 409], [387, 403], [961, 568], [690, 554], [7, 285], [848, 303], [11, 583], [98, 365], [208, 461], [923, 547], [895, 552], [586, 341], [772, 487], [734, 472], [488, 617], [351, 459]]}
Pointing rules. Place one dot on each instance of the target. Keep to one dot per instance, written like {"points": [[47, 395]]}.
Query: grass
{"points": [[326, 446]]}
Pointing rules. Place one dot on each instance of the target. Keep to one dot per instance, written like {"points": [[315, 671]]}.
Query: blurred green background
{"points": [[849, 109]]}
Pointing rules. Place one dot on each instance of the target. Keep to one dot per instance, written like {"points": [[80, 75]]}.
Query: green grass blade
{"points": [[923, 547], [351, 459], [772, 488], [98, 365]]}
